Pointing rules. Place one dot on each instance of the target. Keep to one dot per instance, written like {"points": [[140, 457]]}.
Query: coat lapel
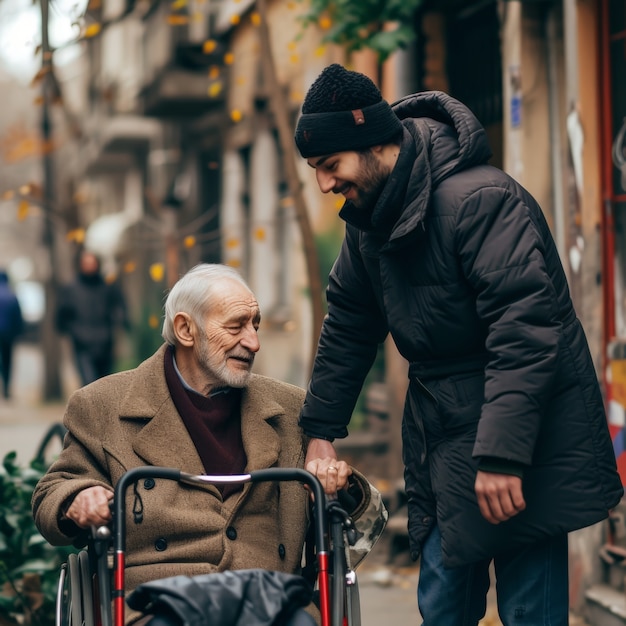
{"points": [[164, 440], [260, 439]]}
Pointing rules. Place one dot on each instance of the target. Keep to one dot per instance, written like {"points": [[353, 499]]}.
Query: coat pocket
{"points": [[460, 400]]}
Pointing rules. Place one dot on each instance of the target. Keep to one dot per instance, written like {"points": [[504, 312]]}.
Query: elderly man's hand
{"points": [[321, 461], [91, 507]]}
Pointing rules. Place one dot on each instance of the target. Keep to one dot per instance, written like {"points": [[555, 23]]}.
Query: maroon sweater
{"points": [[214, 424]]}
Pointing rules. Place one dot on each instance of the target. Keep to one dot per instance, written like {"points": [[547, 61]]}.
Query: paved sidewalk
{"points": [[24, 417]]}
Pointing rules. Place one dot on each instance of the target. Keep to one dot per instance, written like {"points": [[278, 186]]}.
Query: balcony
{"points": [[178, 91], [182, 78], [114, 143]]}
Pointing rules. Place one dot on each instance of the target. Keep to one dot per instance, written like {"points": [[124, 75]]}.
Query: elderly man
{"points": [[194, 405]]}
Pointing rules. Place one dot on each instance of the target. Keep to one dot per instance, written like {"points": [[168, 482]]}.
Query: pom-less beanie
{"points": [[344, 110]]}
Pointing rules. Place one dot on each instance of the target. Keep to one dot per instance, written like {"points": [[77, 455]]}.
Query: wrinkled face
{"points": [[226, 346], [358, 176]]}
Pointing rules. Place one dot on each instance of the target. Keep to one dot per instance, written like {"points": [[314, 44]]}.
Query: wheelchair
{"points": [[91, 591]]}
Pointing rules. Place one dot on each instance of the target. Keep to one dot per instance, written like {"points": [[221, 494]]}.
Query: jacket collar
{"points": [[164, 440]]}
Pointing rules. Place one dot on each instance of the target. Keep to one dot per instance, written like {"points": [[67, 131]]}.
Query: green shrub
{"points": [[29, 565]]}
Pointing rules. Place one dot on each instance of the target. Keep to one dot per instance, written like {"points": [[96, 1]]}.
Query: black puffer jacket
{"points": [[458, 264]]}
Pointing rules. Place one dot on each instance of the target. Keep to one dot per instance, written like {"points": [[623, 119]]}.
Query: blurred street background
{"points": [[158, 134]]}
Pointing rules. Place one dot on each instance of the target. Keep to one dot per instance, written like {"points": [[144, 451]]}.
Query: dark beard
{"points": [[372, 181]]}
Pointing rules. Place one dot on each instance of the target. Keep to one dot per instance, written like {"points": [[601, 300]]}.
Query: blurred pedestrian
{"points": [[505, 440], [11, 325], [89, 311]]}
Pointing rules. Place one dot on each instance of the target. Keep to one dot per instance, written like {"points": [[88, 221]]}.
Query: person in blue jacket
{"points": [[11, 326]]}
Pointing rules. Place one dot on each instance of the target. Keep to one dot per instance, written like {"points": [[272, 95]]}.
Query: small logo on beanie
{"points": [[307, 135], [358, 116]]}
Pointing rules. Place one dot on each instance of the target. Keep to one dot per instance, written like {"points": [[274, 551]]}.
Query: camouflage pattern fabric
{"points": [[369, 526]]}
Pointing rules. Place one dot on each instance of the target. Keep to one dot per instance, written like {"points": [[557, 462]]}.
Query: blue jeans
{"points": [[531, 586]]}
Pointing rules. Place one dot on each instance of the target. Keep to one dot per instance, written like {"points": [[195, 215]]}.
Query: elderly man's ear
{"points": [[184, 329]]}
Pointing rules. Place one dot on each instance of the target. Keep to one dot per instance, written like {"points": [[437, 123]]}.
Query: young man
{"points": [[194, 405], [505, 442]]}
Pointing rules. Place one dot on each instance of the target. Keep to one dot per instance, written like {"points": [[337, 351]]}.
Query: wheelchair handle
{"points": [[264, 475]]}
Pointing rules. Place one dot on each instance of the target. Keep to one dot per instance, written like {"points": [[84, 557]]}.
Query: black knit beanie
{"points": [[344, 110]]}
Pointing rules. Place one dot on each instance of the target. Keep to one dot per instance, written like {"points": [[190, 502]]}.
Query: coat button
{"points": [[281, 551], [231, 533], [426, 519], [160, 544], [148, 483]]}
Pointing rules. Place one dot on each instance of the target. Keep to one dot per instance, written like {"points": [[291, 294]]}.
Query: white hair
{"points": [[192, 294]]}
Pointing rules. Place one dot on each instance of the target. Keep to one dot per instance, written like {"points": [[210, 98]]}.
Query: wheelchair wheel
{"points": [[353, 603], [86, 589], [61, 611], [75, 591], [74, 605]]}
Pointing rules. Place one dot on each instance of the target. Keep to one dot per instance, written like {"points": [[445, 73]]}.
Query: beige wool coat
{"points": [[128, 420]]}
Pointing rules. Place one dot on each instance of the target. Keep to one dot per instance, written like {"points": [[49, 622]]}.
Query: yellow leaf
{"points": [[292, 45], [294, 58], [338, 203], [214, 72], [25, 190], [325, 22], [130, 267], [259, 234], [177, 20], [215, 90], [157, 272], [233, 242], [236, 115], [209, 45], [178, 4], [92, 30], [229, 58], [8, 195], [77, 235], [235, 19], [22, 210], [153, 321], [234, 263], [320, 51], [189, 241], [255, 18], [110, 278]]}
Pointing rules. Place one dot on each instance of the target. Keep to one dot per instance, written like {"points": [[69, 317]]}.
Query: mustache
{"points": [[244, 355]]}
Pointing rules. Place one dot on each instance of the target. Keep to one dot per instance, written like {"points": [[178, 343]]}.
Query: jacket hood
{"points": [[456, 139], [447, 138]]}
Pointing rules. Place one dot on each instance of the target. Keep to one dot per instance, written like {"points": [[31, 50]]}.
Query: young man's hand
{"points": [[499, 496], [321, 461]]}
